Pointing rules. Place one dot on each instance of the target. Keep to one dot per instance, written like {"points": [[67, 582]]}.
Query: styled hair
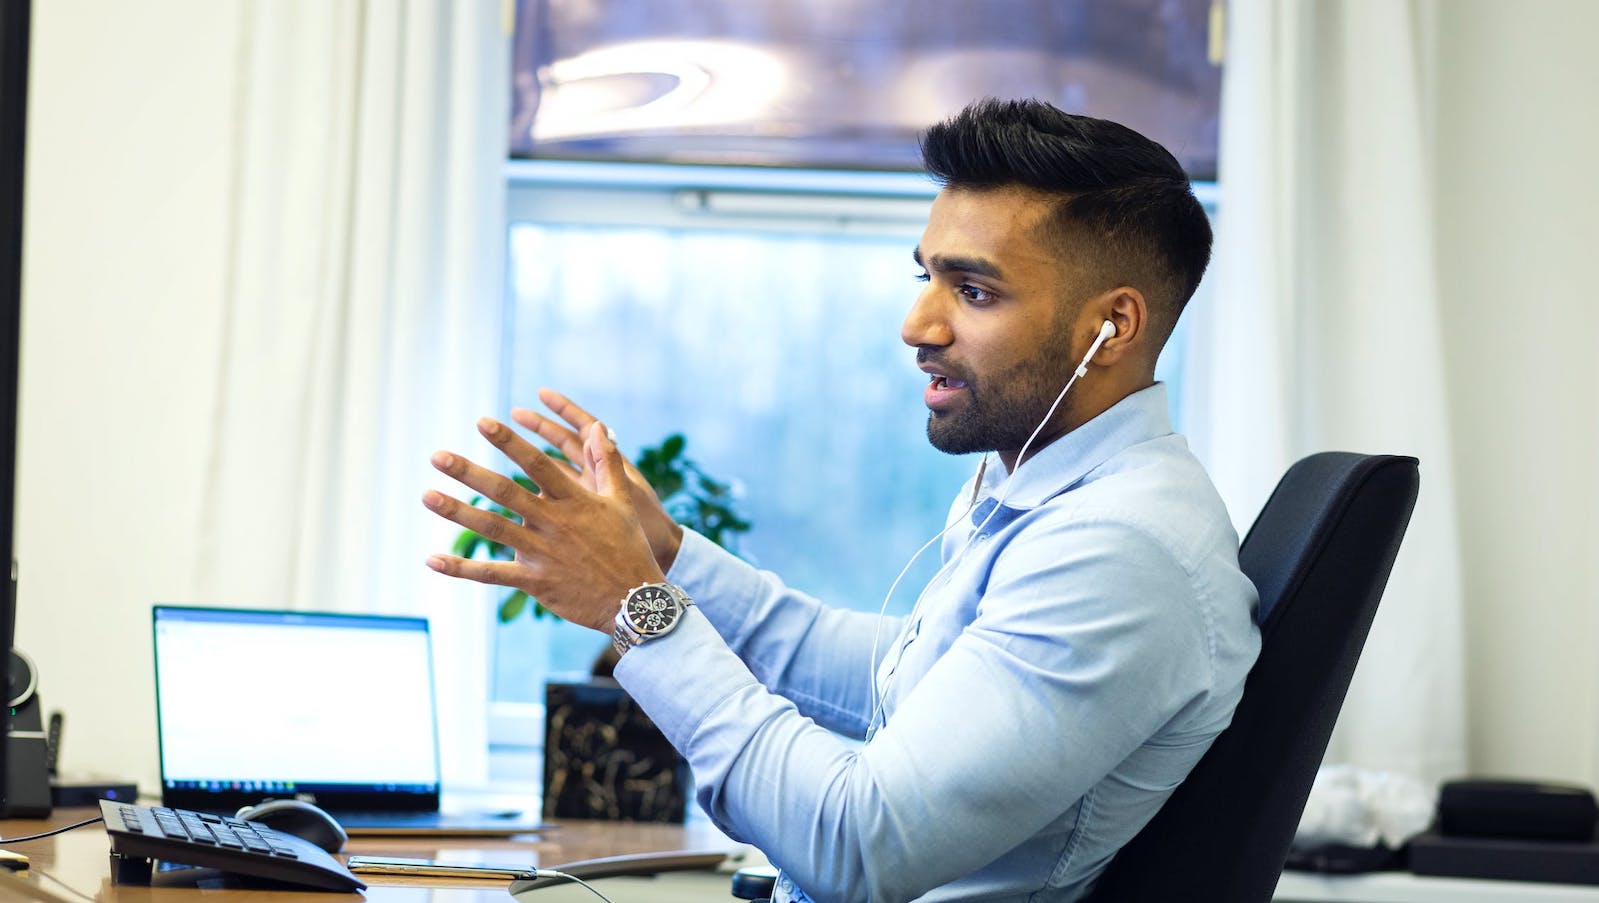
{"points": [[1125, 202]]}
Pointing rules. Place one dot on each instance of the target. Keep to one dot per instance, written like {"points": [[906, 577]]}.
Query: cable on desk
{"points": [[575, 880], [42, 836]]}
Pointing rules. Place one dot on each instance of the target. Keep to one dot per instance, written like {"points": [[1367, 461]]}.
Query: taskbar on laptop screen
{"points": [[229, 795]]}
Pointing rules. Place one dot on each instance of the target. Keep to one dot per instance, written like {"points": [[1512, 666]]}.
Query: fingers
{"points": [[568, 442], [566, 409], [488, 483], [606, 462], [555, 480], [499, 573], [484, 523]]}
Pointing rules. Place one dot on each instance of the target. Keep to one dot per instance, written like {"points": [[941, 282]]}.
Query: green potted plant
{"points": [[603, 758]]}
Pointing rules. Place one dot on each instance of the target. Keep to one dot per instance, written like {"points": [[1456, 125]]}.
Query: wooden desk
{"points": [[74, 866]]}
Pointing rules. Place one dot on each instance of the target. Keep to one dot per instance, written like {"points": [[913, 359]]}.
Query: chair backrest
{"points": [[1320, 554]]}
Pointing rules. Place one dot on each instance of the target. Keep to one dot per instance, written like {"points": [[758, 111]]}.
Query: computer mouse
{"points": [[301, 819]]}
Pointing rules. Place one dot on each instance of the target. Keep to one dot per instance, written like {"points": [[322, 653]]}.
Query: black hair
{"points": [[1120, 190]]}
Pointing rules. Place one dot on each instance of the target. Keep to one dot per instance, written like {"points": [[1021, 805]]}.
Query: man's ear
{"points": [[1126, 309]]}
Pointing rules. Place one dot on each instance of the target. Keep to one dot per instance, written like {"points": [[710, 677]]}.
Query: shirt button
{"points": [[784, 884]]}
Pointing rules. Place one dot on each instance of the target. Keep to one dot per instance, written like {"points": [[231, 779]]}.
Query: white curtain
{"points": [[360, 324], [1325, 331]]}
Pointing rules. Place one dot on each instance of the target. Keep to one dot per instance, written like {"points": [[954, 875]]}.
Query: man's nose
{"points": [[926, 323]]}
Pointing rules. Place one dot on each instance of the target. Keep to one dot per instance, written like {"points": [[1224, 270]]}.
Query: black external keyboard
{"points": [[140, 834]]}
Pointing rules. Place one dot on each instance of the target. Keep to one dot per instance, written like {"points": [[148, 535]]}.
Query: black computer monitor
{"points": [[14, 19]]}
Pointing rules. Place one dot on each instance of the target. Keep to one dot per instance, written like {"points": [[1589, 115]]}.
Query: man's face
{"points": [[991, 328]]}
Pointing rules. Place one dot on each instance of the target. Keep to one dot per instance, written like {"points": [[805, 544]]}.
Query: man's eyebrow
{"points": [[976, 266]]}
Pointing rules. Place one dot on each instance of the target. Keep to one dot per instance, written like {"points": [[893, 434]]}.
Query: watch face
{"points": [[651, 610]]}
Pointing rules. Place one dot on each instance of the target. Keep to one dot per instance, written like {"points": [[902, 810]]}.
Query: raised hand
{"points": [[579, 544]]}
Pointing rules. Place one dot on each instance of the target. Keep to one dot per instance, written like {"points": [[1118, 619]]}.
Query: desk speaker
{"points": [[27, 784]]}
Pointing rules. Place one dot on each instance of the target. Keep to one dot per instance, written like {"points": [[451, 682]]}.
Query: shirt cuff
{"points": [[681, 678]]}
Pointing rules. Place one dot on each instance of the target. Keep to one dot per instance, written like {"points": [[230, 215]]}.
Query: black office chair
{"points": [[1320, 554]]}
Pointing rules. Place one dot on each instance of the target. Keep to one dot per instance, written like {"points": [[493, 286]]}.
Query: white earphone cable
{"points": [[574, 879]]}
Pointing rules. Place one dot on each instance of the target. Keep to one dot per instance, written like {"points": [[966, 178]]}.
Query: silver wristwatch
{"points": [[648, 611]]}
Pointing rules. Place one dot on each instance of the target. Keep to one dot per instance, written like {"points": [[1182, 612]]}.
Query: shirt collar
{"points": [[1064, 463]]}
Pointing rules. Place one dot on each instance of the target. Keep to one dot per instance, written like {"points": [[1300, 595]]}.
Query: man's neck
{"points": [[1070, 417]]}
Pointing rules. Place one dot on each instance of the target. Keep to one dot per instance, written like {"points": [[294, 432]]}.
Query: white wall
{"points": [[126, 202], [1518, 202]]}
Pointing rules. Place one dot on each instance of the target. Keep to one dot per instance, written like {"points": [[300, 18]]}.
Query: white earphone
{"points": [[1107, 330]]}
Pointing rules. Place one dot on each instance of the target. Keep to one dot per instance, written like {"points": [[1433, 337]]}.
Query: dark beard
{"points": [[1003, 421]]}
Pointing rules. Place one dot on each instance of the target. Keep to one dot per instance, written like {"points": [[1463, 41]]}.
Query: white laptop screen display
{"points": [[292, 702]]}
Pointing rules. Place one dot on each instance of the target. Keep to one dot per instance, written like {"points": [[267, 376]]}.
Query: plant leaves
{"points": [[512, 606]]}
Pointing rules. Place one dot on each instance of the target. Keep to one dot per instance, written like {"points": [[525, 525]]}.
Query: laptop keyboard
{"points": [[140, 834]]}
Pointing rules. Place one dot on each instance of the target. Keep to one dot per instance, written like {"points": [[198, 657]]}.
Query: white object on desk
{"points": [[1403, 887]]}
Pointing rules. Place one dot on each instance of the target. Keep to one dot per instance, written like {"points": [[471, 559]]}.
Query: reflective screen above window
{"points": [[847, 83]]}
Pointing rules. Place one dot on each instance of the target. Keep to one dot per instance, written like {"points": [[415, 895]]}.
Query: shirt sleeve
{"points": [[1086, 641], [819, 657]]}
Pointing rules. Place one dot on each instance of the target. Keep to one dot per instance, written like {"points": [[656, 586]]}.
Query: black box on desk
{"points": [[1510, 860], [66, 795], [604, 758]]}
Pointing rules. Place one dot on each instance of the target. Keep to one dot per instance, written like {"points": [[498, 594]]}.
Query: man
{"points": [[1089, 633]]}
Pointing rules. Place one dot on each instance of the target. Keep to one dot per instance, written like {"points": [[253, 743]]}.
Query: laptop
{"points": [[334, 709]]}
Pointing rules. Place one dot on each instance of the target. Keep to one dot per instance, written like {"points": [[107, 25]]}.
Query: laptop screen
{"points": [[256, 704]]}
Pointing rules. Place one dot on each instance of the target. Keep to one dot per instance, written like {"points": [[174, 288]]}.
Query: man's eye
{"points": [[922, 276], [974, 294]]}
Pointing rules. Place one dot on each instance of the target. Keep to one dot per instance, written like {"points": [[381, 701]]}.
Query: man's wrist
{"points": [[667, 554], [609, 624]]}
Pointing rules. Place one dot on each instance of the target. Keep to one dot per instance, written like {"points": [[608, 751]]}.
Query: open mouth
{"points": [[943, 391]]}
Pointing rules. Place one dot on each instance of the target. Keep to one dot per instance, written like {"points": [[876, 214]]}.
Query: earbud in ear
{"points": [[1107, 330]]}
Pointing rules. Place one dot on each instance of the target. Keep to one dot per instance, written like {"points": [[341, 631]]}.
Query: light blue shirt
{"points": [[1058, 680]]}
